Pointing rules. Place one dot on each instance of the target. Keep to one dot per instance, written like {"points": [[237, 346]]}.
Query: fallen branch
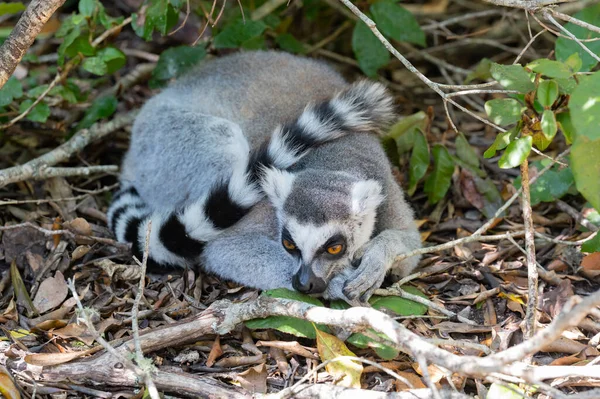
{"points": [[223, 316], [63, 152], [526, 4], [30, 24]]}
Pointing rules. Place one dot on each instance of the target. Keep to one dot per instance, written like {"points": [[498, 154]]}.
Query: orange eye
{"points": [[289, 245], [335, 249]]}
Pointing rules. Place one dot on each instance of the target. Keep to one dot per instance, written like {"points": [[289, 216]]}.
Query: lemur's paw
{"points": [[369, 276]]}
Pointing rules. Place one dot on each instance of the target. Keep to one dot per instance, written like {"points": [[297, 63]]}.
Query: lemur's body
{"points": [[196, 156]]}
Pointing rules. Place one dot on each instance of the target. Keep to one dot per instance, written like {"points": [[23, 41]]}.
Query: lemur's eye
{"points": [[290, 246], [335, 249]]}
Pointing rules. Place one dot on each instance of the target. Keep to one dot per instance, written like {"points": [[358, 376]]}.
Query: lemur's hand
{"points": [[369, 275]]}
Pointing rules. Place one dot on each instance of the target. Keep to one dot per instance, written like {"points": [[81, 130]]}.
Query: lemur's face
{"points": [[325, 217]]}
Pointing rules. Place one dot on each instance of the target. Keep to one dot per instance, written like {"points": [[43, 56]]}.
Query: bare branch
{"points": [[526, 4], [30, 24]]}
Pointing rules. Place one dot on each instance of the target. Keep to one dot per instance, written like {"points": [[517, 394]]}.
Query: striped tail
{"points": [[178, 237]]}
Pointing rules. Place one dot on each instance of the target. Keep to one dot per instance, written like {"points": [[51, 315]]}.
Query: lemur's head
{"points": [[324, 217]]}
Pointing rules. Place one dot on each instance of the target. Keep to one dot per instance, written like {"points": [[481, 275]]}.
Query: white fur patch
{"points": [[366, 197], [129, 200], [130, 213], [157, 250], [279, 151], [277, 184], [197, 225], [309, 237]]}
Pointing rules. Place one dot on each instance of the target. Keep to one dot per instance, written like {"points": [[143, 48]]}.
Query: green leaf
{"points": [[238, 32], [400, 306], [175, 61], [550, 186], [574, 62], [383, 351], [39, 113], [438, 182], [106, 61], [284, 293], [288, 42], [75, 42], [396, 22], [565, 47], [419, 161], [11, 90], [592, 245], [502, 140], [286, 324], [11, 8], [499, 391], [161, 15], [289, 325], [87, 7], [368, 50], [140, 27], [547, 93], [102, 107], [512, 77], [566, 86], [465, 152], [585, 164], [493, 200], [94, 65], [550, 68], [516, 152], [549, 125], [504, 111], [585, 107], [481, 71], [566, 126]]}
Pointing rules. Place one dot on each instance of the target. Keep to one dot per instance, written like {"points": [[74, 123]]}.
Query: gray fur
{"points": [[200, 131]]}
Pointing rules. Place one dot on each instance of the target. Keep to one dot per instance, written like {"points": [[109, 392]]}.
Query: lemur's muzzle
{"points": [[306, 282]]}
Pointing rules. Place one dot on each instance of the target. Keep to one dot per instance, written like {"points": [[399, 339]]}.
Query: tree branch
{"points": [[24, 33]]}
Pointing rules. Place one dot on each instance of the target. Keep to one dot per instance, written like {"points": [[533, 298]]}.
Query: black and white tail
{"points": [[178, 238]]}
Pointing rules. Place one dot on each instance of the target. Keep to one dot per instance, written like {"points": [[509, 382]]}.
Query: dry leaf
{"points": [[8, 389], [74, 330], [119, 272], [52, 359], [80, 252], [79, 226], [414, 379], [254, 379], [590, 265], [52, 292], [346, 372]]}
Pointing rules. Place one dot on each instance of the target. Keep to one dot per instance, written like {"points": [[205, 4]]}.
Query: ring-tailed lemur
{"points": [[205, 149]]}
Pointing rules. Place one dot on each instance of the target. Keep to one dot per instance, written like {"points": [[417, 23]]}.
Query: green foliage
{"points": [[159, 15], [502, 140], [547, 93], [592, 245], [11, 8], [549, 125], [512, 77], [289, 43], [438, 182], [585, 107], [102, 107], [400, 306], [175, 61], [516, 152], [397, 23], [504, 111], [39, 113], [550, 186], [465, 152], [239, 33], [565, 47], [370, 53], [107, 61], [12, 90], [500, 391], [550, 68], [419, 161], [394, 22], [585, 163]]}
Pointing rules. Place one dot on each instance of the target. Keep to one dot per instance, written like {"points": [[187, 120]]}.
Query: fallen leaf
{"points": [[554, 300], [254, 379], [52, 359], [80, 252], [8, 388], [79, 226], [346, 372], [590, 265], [21, 293], [74, 330], [118, 272], [52, 292], [414, 379]]}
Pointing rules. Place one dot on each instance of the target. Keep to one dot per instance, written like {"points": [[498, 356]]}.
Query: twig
{"points": [[30, 24], [187, 15], [532, 271], [570, 35], [111, 31], [43, 201], [266, 8], [46, 173], [526, 4], [574, 21], [63, 152]]}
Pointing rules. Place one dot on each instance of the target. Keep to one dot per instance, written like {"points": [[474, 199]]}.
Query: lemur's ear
{"points": [[366, 197], [277, 184]]}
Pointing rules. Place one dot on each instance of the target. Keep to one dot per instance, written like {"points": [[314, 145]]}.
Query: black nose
{"points": [[306, 282]]}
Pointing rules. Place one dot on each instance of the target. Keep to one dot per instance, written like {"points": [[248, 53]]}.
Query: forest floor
{"points": [[55, 232]]}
